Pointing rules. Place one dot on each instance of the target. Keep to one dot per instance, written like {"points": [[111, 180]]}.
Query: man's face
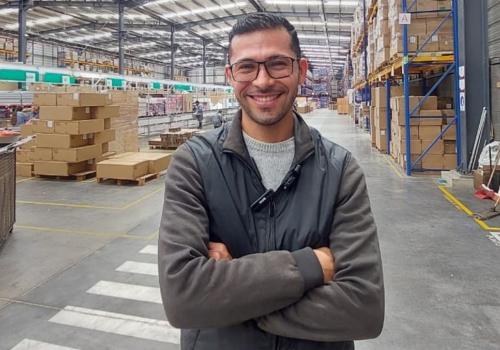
{"points": [[266, 100]]}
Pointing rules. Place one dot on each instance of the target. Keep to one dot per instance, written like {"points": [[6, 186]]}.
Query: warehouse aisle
{"points": [[80, 270]]}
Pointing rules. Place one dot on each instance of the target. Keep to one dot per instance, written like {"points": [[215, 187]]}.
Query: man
{"points": [[267, 240], [218, 119], [198, 113]]}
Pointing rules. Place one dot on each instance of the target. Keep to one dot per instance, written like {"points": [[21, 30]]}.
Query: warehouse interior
{"points": [[97, 95]]}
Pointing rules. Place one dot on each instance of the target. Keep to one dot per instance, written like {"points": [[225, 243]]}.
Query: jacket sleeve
{"points": [[352, 306], [199, 292]]}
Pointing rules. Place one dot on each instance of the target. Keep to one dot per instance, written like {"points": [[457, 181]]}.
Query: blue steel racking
{"points": [[452, 67], [413, 64]]}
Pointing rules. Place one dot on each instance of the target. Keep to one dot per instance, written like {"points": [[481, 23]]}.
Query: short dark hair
{"points": [[261, 21]]}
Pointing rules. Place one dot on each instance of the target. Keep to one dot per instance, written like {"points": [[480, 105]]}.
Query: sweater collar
{"points": [[235, 142]]}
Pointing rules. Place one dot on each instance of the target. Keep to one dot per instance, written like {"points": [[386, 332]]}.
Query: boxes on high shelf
{"points": [[429, 132], [427, 8], [437, 148], [379, 95]]}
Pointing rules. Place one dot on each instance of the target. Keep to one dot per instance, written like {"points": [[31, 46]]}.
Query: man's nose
{"points": [[263, 78]]}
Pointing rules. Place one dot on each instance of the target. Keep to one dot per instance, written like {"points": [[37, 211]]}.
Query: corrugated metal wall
{"points": [[494, 55]]}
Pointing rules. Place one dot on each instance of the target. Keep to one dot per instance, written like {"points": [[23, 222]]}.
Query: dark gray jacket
{"points": [[271, 295]]}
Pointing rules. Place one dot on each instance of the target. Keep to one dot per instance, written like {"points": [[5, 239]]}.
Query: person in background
{"points": [[267, 239], [24, 116], [218, 119], [198, 113]]}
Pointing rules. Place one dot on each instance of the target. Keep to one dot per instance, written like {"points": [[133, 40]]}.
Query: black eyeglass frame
{"points": [[259, 63]]}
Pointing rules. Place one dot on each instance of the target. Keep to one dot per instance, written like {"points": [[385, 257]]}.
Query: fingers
{"points": [[218, 251]]}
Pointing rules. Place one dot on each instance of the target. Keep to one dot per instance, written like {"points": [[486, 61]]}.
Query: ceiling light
{"points": [[206, 9], [92, 37], [218, 30], [4, 12], [293, 2], [158, 2], [311, 23], [342, 2]]}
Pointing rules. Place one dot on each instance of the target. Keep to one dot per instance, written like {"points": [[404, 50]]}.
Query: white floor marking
{"points": [[150, 249], [30, 344], [495, 237], [110, 322], [139, 267], [126, 291]]}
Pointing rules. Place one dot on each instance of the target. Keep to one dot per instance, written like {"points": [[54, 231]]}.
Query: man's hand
{"points": [[218, 251], [327, 262]]}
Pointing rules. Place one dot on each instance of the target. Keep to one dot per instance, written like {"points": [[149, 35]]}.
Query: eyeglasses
{"points": [[248, 70]]}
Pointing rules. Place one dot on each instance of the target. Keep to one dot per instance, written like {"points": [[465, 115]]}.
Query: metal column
{"points": [[472, 30], [406, 93], [173, 49], [226, 61], [388, 114], [121, 37], [204, 54], [21, 39]]}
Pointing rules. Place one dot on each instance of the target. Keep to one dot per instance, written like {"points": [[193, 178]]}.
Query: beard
{"points": [[268, 117]]}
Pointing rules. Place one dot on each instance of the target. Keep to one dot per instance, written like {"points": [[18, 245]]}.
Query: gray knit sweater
{"points": [[272, 159]]}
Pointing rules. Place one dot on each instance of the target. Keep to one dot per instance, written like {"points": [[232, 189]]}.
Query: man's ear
{"points": [[303, 66], [227, 71]]}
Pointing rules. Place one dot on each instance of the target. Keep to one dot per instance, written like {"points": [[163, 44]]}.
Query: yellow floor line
{"points": [[24, 180], [396, 170], [90, 206], [69, 205], [87, 233], [458, 204], [142, 199]]}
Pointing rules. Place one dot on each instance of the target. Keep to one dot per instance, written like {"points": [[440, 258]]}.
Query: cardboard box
{"points": [[402, 132], [122, 169], [26, 130], [80, 127], [449, 161], [431, 121], [379, 96], [450, 147], [428, 132], [45, 99], [64, 113], [77, 154], [430, 113], [450, 134], [432, 44], [43, 126], [426, 5], [24, 169], [59, 168], [41, 153], [380, 118], [62, 141], [446, 42], [106, 112], [157, 161], [432, 162], [437, 149], [83, 99], [23, 155], [416, 146], [445, 102], [104, 136], [381, 139], [107, 123]]}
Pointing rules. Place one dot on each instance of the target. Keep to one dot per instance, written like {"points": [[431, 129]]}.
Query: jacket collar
{"points": [[235, 142]]}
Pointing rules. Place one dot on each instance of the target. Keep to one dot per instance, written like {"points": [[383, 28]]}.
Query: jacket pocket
{"points": [[189, 337]]}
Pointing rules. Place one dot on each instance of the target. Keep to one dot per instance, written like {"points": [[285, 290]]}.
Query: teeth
{"points": [[265, 98]]}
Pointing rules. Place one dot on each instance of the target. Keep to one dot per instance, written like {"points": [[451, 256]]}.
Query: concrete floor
{"points": [[79, 271]]}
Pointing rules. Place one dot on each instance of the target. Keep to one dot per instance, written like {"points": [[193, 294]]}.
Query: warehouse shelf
{"points": [[403, 65]]}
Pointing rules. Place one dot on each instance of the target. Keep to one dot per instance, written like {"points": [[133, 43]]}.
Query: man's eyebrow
{"points": [[267, 58]]}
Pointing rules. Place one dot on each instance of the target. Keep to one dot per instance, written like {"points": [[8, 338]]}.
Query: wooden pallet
{"points": [[75, 177], [141, 181]]}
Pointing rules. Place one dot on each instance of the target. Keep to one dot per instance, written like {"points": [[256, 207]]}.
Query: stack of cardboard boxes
{"points": [[378, 115], [126, 123], [132, 166], [435, 115], [175, 137], [72, 133], [342, 105]]}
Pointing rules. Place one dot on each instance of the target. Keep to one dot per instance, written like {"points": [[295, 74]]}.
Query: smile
{"points": [[265, 98]]}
